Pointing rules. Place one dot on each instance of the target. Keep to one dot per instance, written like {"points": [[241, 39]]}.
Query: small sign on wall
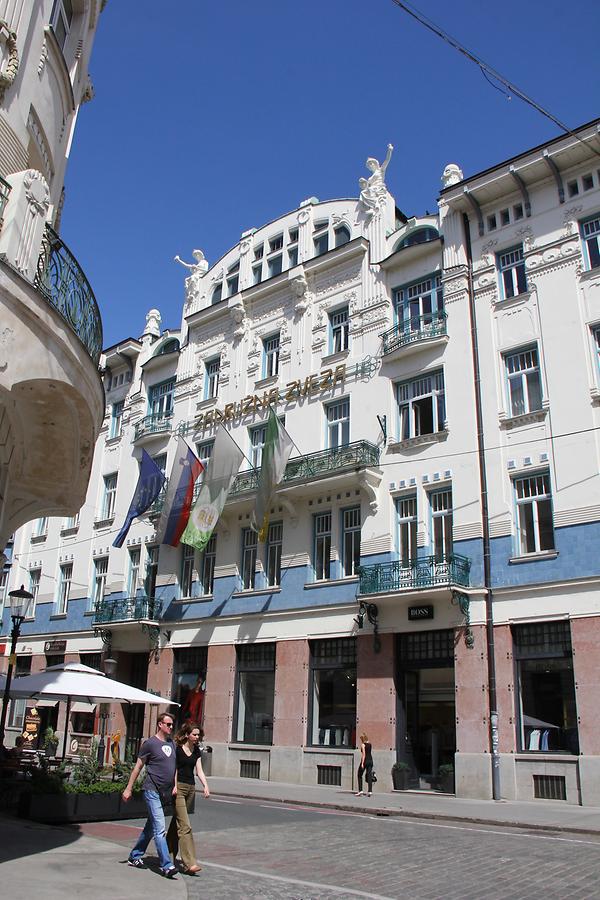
{"points": [[55, 646], [420, 612]]}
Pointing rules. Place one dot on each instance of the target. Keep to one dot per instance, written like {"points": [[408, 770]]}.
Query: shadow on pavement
{"points": [[21, 838]]}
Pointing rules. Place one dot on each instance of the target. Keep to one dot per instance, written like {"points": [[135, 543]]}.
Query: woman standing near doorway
{"points": [[189, 764], [366, 765]]}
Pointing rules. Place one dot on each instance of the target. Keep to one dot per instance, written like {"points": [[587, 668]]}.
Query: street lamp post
{"points": [[20, 601], [103, 717]]}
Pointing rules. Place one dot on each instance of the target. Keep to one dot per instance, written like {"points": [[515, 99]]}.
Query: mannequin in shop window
{"points": [[193, 707]]}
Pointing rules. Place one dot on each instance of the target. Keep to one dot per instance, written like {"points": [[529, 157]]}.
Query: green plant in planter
{"points": [[446, 770], [400, 767], [49, 739]]}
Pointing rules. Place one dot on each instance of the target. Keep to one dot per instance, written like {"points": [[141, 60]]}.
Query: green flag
{"points": [[276, 452], [222, 468]]}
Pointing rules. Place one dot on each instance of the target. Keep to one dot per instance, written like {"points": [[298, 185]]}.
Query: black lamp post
{"points": [[20, 602]]}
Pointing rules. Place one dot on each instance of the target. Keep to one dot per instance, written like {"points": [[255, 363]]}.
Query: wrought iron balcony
{"points": [[130, 609], [424, 572], [413, 330], [62, 283], [156, 423]]}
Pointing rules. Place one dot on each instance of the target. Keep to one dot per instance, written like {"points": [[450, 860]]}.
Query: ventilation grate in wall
{"points": [[549, 787], [249, 768], [329, 775]]}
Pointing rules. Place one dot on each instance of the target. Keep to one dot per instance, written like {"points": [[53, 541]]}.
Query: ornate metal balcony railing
{"points": [[5, 190], [61, 281], [153, 424], [424, 572], [130, 609], [416, 328]]}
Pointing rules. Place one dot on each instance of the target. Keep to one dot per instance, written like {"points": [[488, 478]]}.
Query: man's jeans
{"points": [[154, 828]]}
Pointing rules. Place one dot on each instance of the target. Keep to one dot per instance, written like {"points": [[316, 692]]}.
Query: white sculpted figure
{"points": [[372, 189], [198, 269], [452, 174]]}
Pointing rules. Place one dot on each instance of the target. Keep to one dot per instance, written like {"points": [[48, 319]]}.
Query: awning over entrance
{"points": [[83, 707]]}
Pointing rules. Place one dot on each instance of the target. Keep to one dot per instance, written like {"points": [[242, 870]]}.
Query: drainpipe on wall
{"points": [[487, 579]]}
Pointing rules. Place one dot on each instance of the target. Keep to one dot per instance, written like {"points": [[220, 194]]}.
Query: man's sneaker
{"points": [[171, 872], [137, 863]]}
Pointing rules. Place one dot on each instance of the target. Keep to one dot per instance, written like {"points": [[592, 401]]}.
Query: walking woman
{"points": [[366, 765], [189, 763]]}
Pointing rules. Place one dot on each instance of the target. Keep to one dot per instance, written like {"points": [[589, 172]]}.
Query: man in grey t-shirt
{"points": [[159, 757]]}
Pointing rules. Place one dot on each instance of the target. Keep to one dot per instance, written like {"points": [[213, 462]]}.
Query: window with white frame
{"points": [[116, 419], [151, 571], [71, 522], [233, 280], [217, 294], [342, 235], [99, 585], [16, 716], [420, 304], [275, 257], [271, 355], [258, 436], [35, 577], [421, 406], [322, 546], [511, 266], [339, 329], [590, 235], [596, 334], [3, 589], [40, 527], [161, 396], [338, 423], [292, 249], [60, 21], [524, 381], [133, 573], [351, 526], [441, 523], [110, 496], [406, 509], [273, 553], [321, 237], [207, 566], [249, 548], [187, 569], [65, 578], [212, 367], [535, 528]]}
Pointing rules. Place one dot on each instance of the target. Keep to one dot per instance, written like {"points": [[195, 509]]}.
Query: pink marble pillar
{"points": [[218, 709], [291, 694], [585, 637], [376, 694], [470, 678], [505, 688]]}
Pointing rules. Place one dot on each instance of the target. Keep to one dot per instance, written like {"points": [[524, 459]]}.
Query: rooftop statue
{"points": [[197, 269], [373, 189]]}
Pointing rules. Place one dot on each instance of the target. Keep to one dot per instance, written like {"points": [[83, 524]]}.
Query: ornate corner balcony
{"points": [[413, 332], [62, 283], [425, 572], [144, 610], [157, 423]]}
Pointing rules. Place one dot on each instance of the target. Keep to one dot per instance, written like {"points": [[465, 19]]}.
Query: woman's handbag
{"points": [[373, 777]]}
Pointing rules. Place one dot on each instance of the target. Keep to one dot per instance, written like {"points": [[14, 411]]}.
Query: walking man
{"points": [[158, 755]]}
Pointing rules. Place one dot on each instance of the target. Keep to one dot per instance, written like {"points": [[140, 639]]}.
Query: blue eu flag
{"points": [[147, 490]]}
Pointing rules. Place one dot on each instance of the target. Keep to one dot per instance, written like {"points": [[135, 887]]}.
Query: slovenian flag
{"points": [[180, 493]]}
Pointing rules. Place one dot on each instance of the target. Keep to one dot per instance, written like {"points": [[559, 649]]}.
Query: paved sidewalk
{"points": [[541, 814]]}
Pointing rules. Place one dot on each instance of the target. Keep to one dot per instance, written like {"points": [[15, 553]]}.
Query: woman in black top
{"points": [[366, 765], [189, 763]]}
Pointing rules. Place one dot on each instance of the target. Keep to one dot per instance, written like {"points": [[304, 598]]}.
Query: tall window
{"points": [[271, 356], [322, 546], [64, 587], [339, 328], [273, 551], [233, 280], [275, 257], [207, 568], [249, 547], [212, 377], [151, 572], [545, 687], [321, 237], [351, 540], [524, 381], [71, 522], [258, 436], [204, 452], [60, 21], [116, 419], [255, 693], [332, 720], [342, 235], [292, 247], [441, 523], [217, 294], [40, 527], [187, 569], [596, 333], [35, 577], [535, 529], [338, 423], [407, 529], [4, 589], [133, 574], [419, 305], [100, 575], [421, 406], [110, 496], [189, 682], [511, 265], [590, 234], [161, 399]]}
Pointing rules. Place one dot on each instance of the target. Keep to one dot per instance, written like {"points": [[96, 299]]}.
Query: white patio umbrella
{"points": [[74, 681]]}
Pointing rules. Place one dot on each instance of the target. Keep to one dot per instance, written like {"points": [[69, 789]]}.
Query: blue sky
{"points": [[215, 117]]}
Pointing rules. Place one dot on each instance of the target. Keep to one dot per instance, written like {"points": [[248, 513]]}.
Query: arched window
{"points": [[169, 347], [342, 235], [419, 236], [217, 294]]}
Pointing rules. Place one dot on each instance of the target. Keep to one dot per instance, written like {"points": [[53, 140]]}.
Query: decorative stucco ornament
{"points": [[237, 314], [10, 67], [372, 189], [153, 320], [452, 174], [300, 292], [198, 270]]}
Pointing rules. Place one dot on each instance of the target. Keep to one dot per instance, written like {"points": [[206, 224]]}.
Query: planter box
{"points": [[446, 784], [400, 779], [61, 808]]}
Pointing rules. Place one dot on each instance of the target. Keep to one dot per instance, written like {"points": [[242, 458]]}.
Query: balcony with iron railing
{"points": [[414, 331], [155, 423], [60, 280], [129, 609], [447, 570]]}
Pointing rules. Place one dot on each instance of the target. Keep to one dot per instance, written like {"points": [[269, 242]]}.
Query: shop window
{"points": [[545, 687], [255, 694], [332, 712], [351, 527], [93, 660], [189, 682], [421, 406]]}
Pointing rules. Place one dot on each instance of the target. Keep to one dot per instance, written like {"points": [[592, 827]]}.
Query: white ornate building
{"points": [[430, 573]]}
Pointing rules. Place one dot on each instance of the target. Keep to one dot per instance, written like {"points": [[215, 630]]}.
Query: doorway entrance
{"points": [[426, 730]]}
